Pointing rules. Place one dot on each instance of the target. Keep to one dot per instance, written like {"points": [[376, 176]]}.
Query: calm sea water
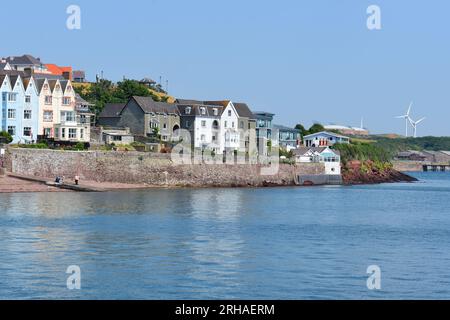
{"points": [[282, 243]]}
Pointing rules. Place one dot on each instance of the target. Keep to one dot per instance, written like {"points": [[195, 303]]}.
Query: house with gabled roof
{"points": [[19, 108], [329, 157], [110, 115], [146, 117], [220, 126], [324, 139]]}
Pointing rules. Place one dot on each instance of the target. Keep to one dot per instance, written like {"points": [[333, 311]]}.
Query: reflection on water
{"points": [[286, 243]]}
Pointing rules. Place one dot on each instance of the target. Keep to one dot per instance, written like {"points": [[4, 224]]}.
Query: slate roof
{"points": [[148, 105], [26, 59], [196, 110], [13, 80], [39, 84], [52, 84], [243, 110], [112, 110]]}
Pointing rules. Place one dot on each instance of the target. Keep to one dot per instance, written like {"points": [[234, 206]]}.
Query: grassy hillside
{"points": [[402, 144]]}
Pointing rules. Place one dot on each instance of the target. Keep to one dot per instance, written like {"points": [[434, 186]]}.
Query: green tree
{"points": [[303, 131], [316, 127], [129, 88]]}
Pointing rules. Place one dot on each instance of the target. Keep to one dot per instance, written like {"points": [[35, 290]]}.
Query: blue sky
{"points": [[305, 61]]}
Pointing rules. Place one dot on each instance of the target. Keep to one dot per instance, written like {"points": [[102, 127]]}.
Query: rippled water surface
{"points": [[282, 243]]}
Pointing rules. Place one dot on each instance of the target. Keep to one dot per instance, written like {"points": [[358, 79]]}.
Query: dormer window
{"points": [[188, 110], [215, 111], [203, 110]]}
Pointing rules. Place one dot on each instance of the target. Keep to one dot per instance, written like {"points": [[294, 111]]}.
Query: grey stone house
{"points": [[142, 115], [110, 115]]}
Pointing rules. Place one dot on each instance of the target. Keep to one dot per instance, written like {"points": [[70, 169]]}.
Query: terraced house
{"points": [[20, 106], [58, 117]]}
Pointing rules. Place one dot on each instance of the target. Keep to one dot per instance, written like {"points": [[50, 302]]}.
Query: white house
{"points": [[330, 158], [215, 125], [324, 139]]}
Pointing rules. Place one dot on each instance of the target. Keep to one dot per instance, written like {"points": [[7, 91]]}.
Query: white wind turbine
{"points": [[407, 118], [414, 125]]}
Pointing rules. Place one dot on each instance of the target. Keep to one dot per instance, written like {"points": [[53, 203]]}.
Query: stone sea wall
{"points": [[148, 168]]}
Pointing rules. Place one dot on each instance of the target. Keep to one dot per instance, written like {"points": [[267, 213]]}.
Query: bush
{"points": [[362, 152], [80, 146], [33, 146], [5, 137]]}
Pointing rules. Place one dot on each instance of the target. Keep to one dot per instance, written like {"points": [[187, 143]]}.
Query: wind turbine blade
{"points": [[409, 109], [419, 121]]}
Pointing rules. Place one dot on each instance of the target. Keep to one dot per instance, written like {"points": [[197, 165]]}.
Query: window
{"points": [[63, 133], [48, 132], [12, 130], [203, 110], [68, 116], [225, 124], [12, 97], [12, 114], [153, 124], [117, 138], [27, 132], [203, 123], [82, 134], [48, 116], [187, 124], [27, 99], [203, 137], [188, 110], [66, 101], [164, 138], [72, 133], [27, 114], [165, 126], [232, 124], [48, 99], [241, 125], [229, 113], [215, 111]]}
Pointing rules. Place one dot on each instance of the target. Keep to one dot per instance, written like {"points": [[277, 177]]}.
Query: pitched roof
{"points": [[39, 84], [112, 110], [26, 59], [196, 110], [284, 128], [64, 84], [326, 133], [304, 150], [52, 84], [148, 105], [13, 80], [243, 110], [57, 70], [2, 78]]}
